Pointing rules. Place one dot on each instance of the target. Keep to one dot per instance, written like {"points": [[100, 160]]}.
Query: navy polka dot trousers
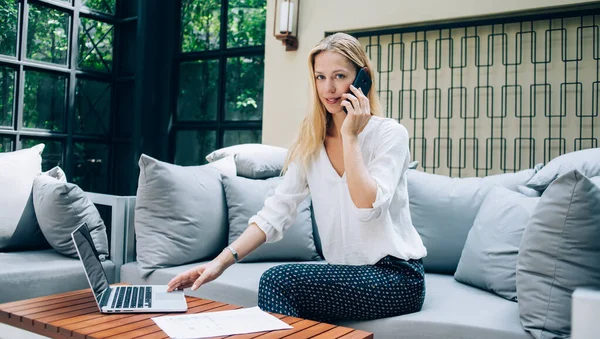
{"points": [[327, 293]]}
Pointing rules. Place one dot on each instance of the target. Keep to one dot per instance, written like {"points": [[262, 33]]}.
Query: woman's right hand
{"points": [[197, 276]]}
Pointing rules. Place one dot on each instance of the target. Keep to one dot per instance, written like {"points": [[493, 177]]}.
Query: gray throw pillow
{"points": [[245, 197], [60, 208], [560, 251], [18, 226], [254, 161], [489, 258], [180, 213], [585, 161], [443, 210]]}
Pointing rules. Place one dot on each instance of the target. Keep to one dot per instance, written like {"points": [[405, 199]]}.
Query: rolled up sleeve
{"points": [[280, 210], [388, 163]]}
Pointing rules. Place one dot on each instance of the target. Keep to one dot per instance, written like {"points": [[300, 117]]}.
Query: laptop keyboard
{"points": [[132, 297]]}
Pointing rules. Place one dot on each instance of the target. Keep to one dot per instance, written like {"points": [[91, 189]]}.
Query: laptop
{"points": [[120, 299]]}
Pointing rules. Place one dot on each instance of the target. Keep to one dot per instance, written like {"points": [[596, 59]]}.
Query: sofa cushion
{"points": [[245, 197], [180, 212], [559, 252], [451, 309], [18, 225], [489, 258], [254, 161], [30, 274], [61, 207], [587, 162], [443, 210]]}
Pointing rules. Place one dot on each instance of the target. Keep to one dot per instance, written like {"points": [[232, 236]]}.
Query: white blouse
{"points": [[352, 235]]}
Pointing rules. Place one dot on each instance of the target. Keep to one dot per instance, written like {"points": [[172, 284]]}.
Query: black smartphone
{"points": [[362, 81]]}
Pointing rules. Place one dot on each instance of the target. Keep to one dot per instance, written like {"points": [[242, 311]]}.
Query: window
{"points": [[220, 78], [58, 85]]}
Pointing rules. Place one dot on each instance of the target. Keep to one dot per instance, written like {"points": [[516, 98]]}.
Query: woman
{"points": [[354, 166]]}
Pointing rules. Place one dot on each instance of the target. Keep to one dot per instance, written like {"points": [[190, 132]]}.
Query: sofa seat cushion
{"points": [[30, 274], [451, 309]]}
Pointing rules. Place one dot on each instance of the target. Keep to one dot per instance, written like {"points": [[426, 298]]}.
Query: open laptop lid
{"points": [[82, 239]]}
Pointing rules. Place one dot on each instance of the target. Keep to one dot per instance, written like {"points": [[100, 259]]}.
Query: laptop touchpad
{"points": [[167, 296]]}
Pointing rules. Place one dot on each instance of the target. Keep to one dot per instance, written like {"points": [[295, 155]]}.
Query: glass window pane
{"points": [[9, 14], [104, 6], [244, 93], [200, 25], [52, 154], [91, 167], [47, 35], [236, 137], [193, 146], [95, 45], [6, 144], [198, 90], [7, 94], [44, 101], [246, 22], [92, 107]]}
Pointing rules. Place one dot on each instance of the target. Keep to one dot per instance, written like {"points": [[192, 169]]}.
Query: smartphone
{"points": [[362, 81]]}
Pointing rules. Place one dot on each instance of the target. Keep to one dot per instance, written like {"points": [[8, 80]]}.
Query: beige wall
{"points": [[286, 80]]}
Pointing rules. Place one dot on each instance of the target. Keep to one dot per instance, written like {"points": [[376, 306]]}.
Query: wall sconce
{"points": [[285, 25]]}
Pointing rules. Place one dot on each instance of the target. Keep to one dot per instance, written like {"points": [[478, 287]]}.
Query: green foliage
{"points": [[7, 90], [44, 101], [200, 25], [198, 90], [95, 45], [48, 35], [105, 6], [5, 144], [244, 88], [246, 23], [9, 10]]}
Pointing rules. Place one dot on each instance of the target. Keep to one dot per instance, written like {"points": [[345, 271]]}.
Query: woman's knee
{"points": [[274, 277]]}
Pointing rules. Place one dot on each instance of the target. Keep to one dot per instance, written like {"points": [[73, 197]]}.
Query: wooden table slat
{"points": [[67, 327], [75, 315], [335, 332], [297, 327], [68, 315], [60, 296], [358, 334], [50, 303], [312, 331], [40, 312]]}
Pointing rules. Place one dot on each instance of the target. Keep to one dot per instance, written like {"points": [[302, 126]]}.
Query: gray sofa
{"points": [[443, 210], [451, 309], [35, 273]]}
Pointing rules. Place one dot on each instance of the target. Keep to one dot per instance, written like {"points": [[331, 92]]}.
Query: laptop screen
{"points": [[89, 258]]}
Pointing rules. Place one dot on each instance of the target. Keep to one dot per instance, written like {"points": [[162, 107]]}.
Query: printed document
{"points": [[210, 324]]}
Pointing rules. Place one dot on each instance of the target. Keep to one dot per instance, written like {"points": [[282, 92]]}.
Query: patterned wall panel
{"points": [[487, 99]]}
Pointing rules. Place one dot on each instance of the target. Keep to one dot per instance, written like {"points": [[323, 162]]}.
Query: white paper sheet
{"points": [[210, 324]]}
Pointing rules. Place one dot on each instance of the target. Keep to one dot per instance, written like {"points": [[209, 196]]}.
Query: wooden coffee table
{"points": [[75, 315]]}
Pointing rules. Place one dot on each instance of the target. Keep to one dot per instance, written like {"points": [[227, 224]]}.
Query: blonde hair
{"points": [[313, 128]]}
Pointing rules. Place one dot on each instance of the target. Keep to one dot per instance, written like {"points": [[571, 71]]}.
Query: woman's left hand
{"points": [[359, 112]]}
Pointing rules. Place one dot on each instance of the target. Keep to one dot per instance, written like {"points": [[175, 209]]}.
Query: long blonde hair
{"points": [[313, 128]]}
